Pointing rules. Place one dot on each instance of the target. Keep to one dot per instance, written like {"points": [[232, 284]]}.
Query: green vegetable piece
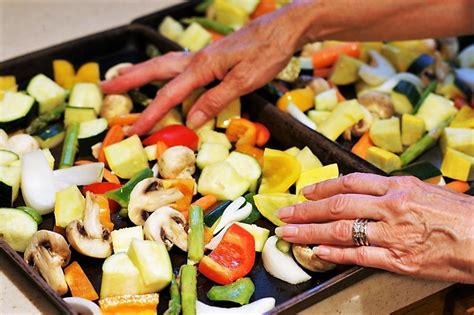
{"points": [[196, 235], [422, 170], [152, 51], [70, 146], [255, 214], [422, 145], [283, 246], [216, 213], [123, 213], [239, 292], [139, 97], [122, 194], [203, 6], [188, 281], [174, 305], [33, 213], [429, 89], [44, 119], [209, 24]]}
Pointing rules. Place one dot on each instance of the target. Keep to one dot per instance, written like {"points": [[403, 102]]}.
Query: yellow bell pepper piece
{"points": [[8, 83], [280, 171], [144, 304], [88, 73], [227, 114], [64, 73], [314, 176], [464, 118], [268, 204], [302, 98]]}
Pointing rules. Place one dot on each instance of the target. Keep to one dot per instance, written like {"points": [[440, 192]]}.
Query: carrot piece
{"points": [[104, 212], [160, 148], [130, 304], [340, 97], [108, 175], [459, 186], [264, 7], [362, 146], [124, 120], [327, 56], [215, 35], [114, 135], [322, 73], [78, 283], [205, 202], [207, 234]]}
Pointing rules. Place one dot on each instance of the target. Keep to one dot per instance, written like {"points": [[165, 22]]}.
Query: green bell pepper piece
{"points": [[239, 292]]}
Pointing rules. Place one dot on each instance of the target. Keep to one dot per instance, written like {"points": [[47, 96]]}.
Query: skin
{"points": [[429, 237]]}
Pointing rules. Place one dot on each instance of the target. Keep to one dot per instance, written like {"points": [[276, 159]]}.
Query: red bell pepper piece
{"points": [[242, 131], [232, 259], [174, 135], [263, 134], [102, 188]]}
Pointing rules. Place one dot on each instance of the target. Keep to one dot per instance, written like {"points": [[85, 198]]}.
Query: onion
{"points": [[296, 113], [80, 175], [258, 307]]}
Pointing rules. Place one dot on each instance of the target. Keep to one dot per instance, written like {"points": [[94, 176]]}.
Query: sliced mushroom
{"points": [[88, 236], [177, 162], [116, 105], [379, 104], [363, 125], [319, 85], [149, 195], [167, 225], [48, 252], [305, 256], [449, 47]]}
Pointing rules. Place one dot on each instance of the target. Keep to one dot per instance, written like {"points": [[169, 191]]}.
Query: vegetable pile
{"points": [[127, 201]]}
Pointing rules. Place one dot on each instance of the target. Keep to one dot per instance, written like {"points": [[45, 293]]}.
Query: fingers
{"points": [[159, 68], [368, 256], [235, 84], [333, 233], [334, 208], [355, 183]]}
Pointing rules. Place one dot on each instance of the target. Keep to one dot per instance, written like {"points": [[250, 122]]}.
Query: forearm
{"points": [[352, 20]]}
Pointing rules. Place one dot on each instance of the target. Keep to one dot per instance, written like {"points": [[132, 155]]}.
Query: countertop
{"points": [[27, 26]]}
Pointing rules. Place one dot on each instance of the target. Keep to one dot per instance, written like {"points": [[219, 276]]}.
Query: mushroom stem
{"points": [[91, 217]]}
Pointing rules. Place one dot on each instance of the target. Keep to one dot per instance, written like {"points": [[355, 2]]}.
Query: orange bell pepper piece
{"points": [[263, 134], [327, 56], [160, 148], [186, 187], [459, 186], [264, 7], [242, 131], [252, 151], [114, 135], [88, 72], [130, 304], [78, 283], [362, 146], [205, 202], [104, 212], [64, 73], [301, 98]]}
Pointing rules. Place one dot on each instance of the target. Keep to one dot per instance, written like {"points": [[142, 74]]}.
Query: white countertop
{"points": [[26, 26]]}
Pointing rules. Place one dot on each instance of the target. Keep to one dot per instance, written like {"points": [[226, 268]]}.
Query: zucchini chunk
{"points": [[51, 136], [90, 133], [86, 95], [78, 114], [404, 97], [47, 92], [421, 63], [16, 111]]}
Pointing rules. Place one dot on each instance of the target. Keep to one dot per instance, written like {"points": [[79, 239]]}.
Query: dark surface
{"points": [[127, 44]]}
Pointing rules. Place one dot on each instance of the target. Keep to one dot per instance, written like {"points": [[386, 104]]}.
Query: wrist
{"points": [[462, 258]]}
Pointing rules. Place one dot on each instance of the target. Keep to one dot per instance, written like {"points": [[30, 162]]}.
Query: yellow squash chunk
{"points": [[345, 115], [268, 204], [122, 238], [461, 139], [413, 129], [386, 134], [400, 58], [457, 165], [318, 116], [194, 37], [127, 157], [314, 176], [231, 111], [383, 159], [173, 117], [120, 277], [345, 70], [293, 151], [280, 171], [307, 160], [464, 118], [69, 206], [229, 14]]}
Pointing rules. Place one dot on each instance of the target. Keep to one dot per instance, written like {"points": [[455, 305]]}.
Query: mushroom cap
{"points": [[149, 195], [167, 225], [177, 162], [379, 104], [305, 256], [48, 252], [83, 243]]}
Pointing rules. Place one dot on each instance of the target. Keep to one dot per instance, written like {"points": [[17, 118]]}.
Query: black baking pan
{"points": [[128, 44]]}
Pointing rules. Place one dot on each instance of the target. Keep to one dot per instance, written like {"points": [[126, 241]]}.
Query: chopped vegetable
{"points": [[174, 305], [268, 204], [264, 7], [188, 282], [69, 206], [230, 112], [46, 92], [280, 171], [44, 119], [114, 135], [174, 135], [205, 202], [383, 159], [362, 146], [223, 181], [120, 277], [145, 304], [242, 131], [196, 235], [345, 70], [70, 146], [429, 89], [78, 283], [122, 194], [328, 56], [238, 210], [261, 306], [209, 24], [459, 186], [64, 73], [252, 151], [413, 129], [127, 157], [296, 113], [385, 134], [17, 228], [301, 98], [461, 139], [345, 115], [122, 238], [314, 176], [239, 292], [435, 110], [457, 165], [86, 95], [194, 37]]}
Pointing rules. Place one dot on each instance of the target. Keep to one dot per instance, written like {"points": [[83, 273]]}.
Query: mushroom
{"points": [[48, 252], [177, 162], [310, 48], [319, 85], [449, 47], [114, 71], [379, 104], [88, 236], [167, 225], [149, 195], [115, 105], [305, 256], [21, 144], [442, 68], [363, 125]]}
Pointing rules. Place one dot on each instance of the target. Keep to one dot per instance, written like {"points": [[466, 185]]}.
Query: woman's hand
{"points": [[418, 229], [242, 61]]}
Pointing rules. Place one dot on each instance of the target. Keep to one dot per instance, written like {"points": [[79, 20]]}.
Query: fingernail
{"points": [[196, 119], [321, 251], [307, 190], [287, 212], [286, 231]]}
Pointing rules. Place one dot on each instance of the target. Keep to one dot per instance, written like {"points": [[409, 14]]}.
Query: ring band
{"points": [[359, 232]]}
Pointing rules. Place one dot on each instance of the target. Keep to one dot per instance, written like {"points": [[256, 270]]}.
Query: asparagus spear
{"points": [[44, 119], [70, 146], [203, 6], [426, 142], [174, 305], [195, 235], [188, 283], [209, 24], [430, 88]]}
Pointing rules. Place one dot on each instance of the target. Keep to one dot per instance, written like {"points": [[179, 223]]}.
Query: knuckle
{"points": [[349, 182], [341, 231], [400, 202], [337, 205], [362, 256], [201, 57], [241, 81], [212, 102]]}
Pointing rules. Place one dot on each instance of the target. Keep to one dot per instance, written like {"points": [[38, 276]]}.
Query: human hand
{"points": [[242, 61], [418, 229]]}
